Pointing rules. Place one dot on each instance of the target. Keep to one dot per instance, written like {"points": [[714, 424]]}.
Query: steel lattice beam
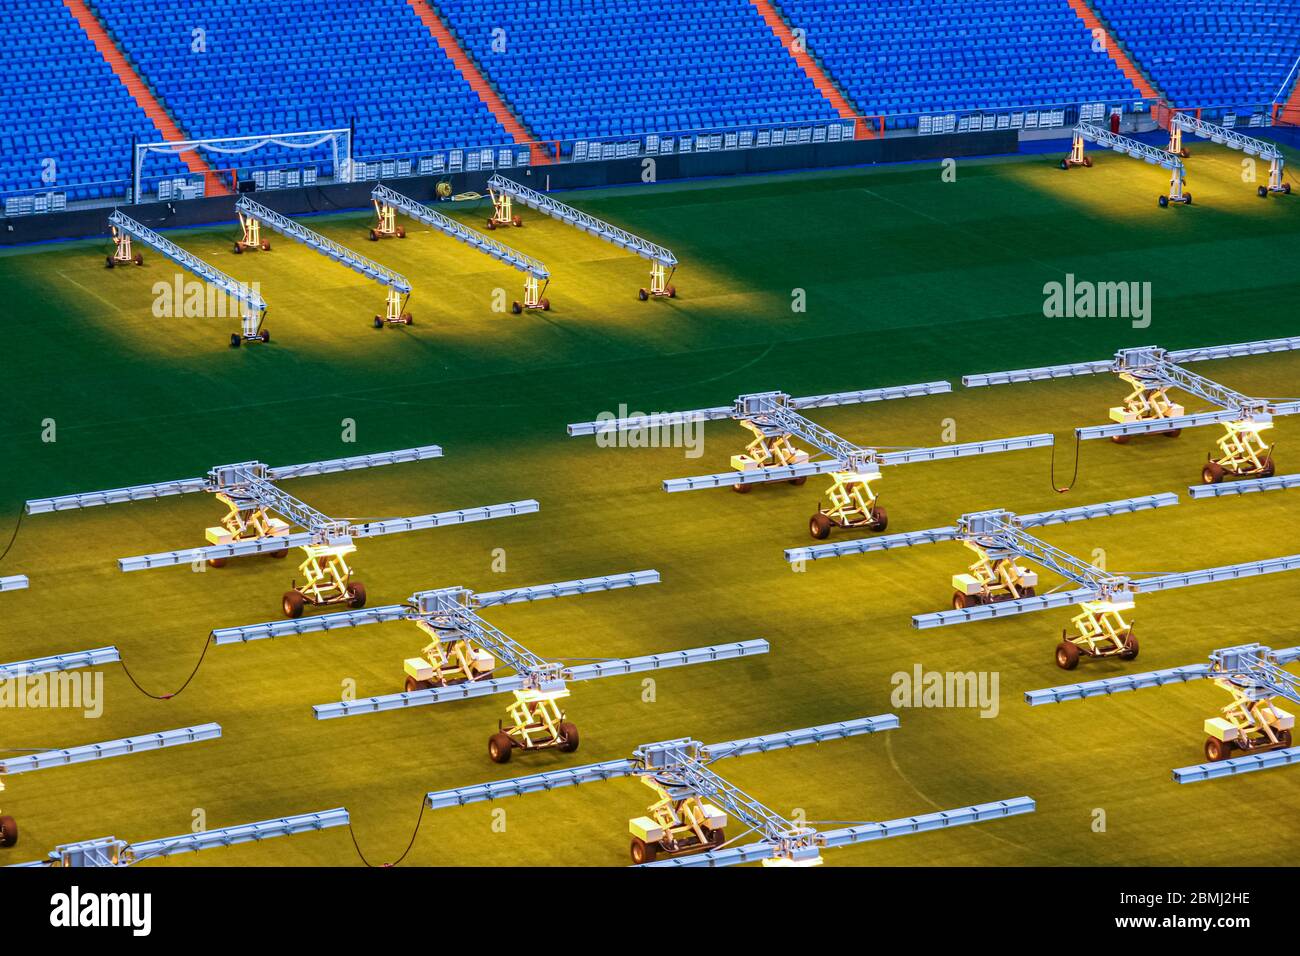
{"points": [[462, 233], [325, 246], [585, 221]]}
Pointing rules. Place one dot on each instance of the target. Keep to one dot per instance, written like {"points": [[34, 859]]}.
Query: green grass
{"points": [[907, 279]]}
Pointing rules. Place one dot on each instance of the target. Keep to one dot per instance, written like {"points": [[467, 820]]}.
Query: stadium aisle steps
{"points": [[141, 94], [1135, 74], [1291, 109], [825, 85], [432, 19]]}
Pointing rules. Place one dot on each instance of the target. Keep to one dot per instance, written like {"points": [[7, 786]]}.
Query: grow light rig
{"points": [[465, 651], [1252, 675], [997, 585], [686, 824], [252, 304], [251, 525], [663, 264], [1223, 136], [14, 582], [44, 759], [1137, 150], [388, 202], [398, 286], [112, 852], [1148, 409], [775, 419]]}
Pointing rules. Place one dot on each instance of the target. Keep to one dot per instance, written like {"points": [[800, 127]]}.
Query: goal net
{"points": [[213, 166]]}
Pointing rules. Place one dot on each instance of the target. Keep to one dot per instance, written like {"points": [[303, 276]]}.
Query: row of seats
{"points": [[1211, 53], [658, 65], [232, 67], [581, 69], [68, 121], [911, 56]]}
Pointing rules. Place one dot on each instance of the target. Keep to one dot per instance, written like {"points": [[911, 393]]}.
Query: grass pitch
{"points": [[906, 278]]}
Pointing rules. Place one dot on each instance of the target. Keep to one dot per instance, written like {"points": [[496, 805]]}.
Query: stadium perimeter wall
{"points": [[90, 222]]}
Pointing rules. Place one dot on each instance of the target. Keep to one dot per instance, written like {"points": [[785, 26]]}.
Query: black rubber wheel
{"points": [[1263, 192], [1172, 433], [1163, 201], [239, 249], [265, 336], [108, 261], [801, 480], [717, 838], [1267, 470], [379, 323], [516, 308], [374, 236], [8, 831], [266, 245], [1028, 592], [499, 747], [1283, 738], [1120, 439], [282, 553], [1187, 199], [641, 294], [1130, 651], [546, 305], [1065, 164], [406, 319], [293, 603], [1216, 749], [1212, 473], [1067, 655], [961, 600], [568, 738], [139, 259], [234, 340], [819, 526], [217, 562], [672, 292], [517, 222], [492, 225], [742, 489], [1087, 161], [412, 684], [643, 852], [356, 595], [401, 232], [879, 519]]}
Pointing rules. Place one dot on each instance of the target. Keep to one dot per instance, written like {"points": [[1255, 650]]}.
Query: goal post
{"points": [[338, 142]]}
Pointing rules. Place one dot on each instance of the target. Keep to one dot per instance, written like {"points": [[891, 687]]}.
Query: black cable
{"points": [[206, 644], [356, 846], [13, 537], [1075, 476]]}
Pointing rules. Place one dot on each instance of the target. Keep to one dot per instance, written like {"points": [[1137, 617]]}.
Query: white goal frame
{"points": [[341, 140]]}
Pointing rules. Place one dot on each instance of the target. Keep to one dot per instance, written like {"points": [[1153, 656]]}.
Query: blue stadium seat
{"points": [[576, 69], [915, 56], [234, 67], [64, 110], [1210, 53]]}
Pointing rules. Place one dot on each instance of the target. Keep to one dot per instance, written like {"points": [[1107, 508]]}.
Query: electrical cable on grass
{"points": [[13, 537], [1074, 477], [356, 846], [129, 676]]}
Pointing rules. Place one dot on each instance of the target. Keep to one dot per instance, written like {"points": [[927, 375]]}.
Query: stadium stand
{"points": [[1210, 53], [303, 64], [911, 56], [65, 106], [582, 68]]}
